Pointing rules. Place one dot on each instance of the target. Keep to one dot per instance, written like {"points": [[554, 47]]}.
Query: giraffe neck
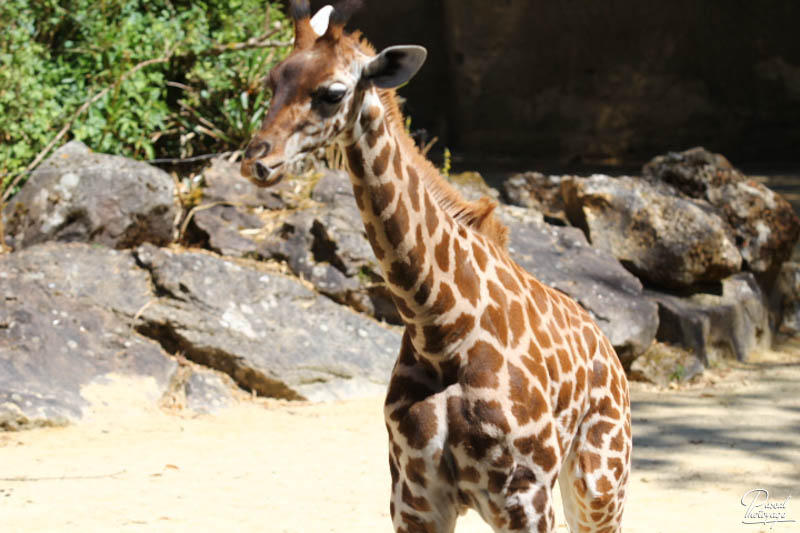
{"points": [[430, 259]]}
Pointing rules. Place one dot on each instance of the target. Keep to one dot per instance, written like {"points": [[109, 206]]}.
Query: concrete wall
{"points": [[618, 81]]}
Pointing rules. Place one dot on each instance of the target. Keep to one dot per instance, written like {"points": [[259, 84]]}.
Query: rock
{"points": [[225, 184], [90, 309], [785, 299], [311, 223], [663, 364], [660, 237], [731, 323], [340, 228], [92, 276], [234, 216], [472, 186], [765, 226], [223, 230], [271, 334], [534, 190], [562, 258], [207, 392], [326, 245], [63, 327], [77, 195]]}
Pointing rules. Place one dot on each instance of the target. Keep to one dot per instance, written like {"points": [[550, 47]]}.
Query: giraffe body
{"points": [[502, 384]]}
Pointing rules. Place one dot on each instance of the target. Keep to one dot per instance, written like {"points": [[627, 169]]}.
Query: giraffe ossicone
{"points": [[502, 385], [321, 19]]}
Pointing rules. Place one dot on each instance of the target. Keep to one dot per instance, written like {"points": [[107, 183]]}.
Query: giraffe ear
{"points": [[395, 66], [320, 21]]}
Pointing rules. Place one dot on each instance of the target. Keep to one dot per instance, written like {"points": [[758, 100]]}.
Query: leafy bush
{"points": [[200, 94]]}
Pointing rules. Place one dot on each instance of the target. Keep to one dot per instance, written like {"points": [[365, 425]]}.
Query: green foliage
{"points": [[678, 373], [447, 163], [204, 97]]}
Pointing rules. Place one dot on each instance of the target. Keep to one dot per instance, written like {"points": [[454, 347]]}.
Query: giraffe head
{"points": [[318, 90]]}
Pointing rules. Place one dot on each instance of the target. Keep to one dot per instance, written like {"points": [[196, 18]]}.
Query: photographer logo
{"points": [[760, 510]]}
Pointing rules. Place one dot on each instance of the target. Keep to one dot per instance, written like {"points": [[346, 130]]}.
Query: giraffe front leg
{"points": [[523, 503], [423, 496], [420, 500]]}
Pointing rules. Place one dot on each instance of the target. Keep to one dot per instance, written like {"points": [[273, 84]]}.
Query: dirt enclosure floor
{"points": [[290, 467]]}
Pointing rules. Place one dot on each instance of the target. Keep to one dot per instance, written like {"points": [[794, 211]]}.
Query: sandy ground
{"points": [[289, 467]]}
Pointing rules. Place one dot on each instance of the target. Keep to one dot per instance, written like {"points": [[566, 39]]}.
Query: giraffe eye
{"points": [[333, 94]]}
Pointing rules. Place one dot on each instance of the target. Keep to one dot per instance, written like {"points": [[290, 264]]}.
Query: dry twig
{"points": [[60, 478]]}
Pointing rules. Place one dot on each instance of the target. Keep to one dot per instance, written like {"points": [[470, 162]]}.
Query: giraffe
{"points": [[502, 384]]}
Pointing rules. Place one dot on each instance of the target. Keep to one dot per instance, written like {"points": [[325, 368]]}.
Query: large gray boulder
{"points": [[64, 325], [310, 224], [730, 323], [664, 364], [80, 196], [562, 258], [270, 333], [233, 215], [326, 245], [74, 313], [664, 239], [765, 226], [538, 191], [785, 300]]}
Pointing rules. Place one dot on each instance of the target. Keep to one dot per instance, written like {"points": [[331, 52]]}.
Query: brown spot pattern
{"points": [[516, 322], [415, 472], [418, 503], [418, 424], [599, 373], [382, 196], [564, 397], [413, 186], [425, 289], [358, 193], [597, 431], [492, 412], [445, 300], [519, 394], [484, 361], [431, 220], [493, 320], [437, 338], [397, 226], [507, 280], [373, 240], [442, 253], [469, 474], [420, 247], [375, 134], [480, 256], [467, 281], [589, 461], [381, 162], [403, 307], [355, 161], [403, 274]]}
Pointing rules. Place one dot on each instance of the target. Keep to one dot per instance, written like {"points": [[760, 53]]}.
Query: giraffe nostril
{"points": [[257, 149], [262, 170]]}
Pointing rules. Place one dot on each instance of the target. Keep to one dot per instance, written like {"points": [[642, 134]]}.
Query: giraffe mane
{"points": [[478, 215]]}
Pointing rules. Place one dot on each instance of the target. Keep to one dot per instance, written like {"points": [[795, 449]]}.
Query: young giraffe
{"points": [[501, 382]]}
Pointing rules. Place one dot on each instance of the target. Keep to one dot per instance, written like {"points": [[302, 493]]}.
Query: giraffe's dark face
{"points": [[316, 96], [313, 95]]}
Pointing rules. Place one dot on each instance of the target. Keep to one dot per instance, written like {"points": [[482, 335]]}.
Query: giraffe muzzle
{"points": [[266, 175]]}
